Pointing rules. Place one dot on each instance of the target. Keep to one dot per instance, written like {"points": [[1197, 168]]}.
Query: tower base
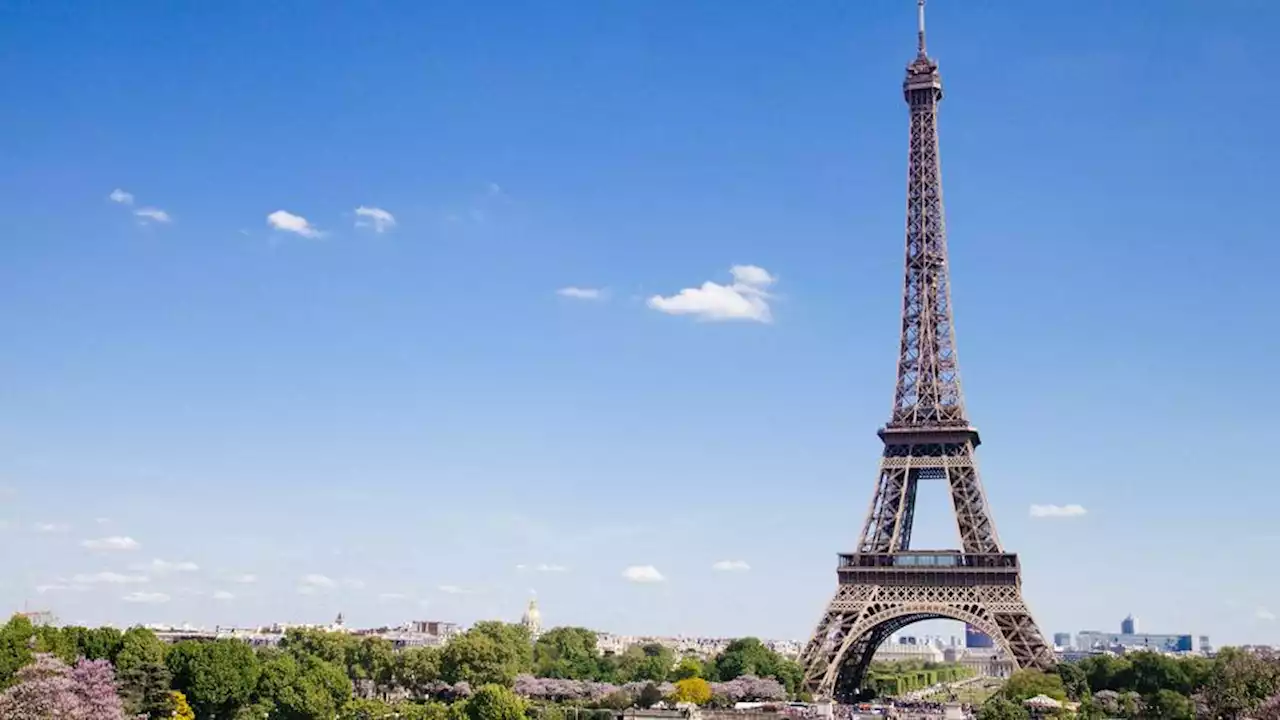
{"points": [[880, 594]]}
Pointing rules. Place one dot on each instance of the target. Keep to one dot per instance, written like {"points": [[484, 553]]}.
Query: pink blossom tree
{"points": [[46, 688]]}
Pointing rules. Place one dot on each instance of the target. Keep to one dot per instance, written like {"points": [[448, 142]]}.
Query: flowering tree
{"points": [[96, 685], [750, 687], [47, 688]]}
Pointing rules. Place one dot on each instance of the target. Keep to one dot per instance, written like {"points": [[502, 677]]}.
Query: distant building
{"points": [[1094, 640], [975, 638], [532, 619], [1062, 640], [1129, 626], [1205, 646]]}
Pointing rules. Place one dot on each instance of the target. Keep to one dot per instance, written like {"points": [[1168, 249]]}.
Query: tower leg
{"points": [[860, 618]]}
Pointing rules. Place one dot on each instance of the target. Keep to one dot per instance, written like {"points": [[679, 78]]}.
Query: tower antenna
{"points": [[920, 27]]}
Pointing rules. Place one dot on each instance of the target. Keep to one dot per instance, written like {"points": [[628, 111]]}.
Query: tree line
{"points": [[494, 671], [1233, 685]]}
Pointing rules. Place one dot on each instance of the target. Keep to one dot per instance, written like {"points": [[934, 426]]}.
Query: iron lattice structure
{"points": [[885, 585]]}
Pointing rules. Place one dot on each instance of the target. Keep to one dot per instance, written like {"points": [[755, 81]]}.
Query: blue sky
{"points": [[390, 423]]}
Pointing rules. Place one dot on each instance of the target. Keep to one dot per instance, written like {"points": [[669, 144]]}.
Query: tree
{"points": [[366, 709], [47, 689], [372, 662], [567, 652], [179, 709], [1153, 672], [688, 667], [481, 656], [144, 688], [651, 662], [1107, 672], [15, 647], [416, 670], [1001, 708], [1074, 681], [96, 684], [693, 690], [1168, 705], [514, 640], [494, 702], [1239, 682], [217, 677], [1025, 684], [749, 656], [649, 696], [42, 689], [328, 646], [302, 687]]}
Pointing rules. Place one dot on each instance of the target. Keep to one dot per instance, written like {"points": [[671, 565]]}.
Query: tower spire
{"points": [[920, 27]]}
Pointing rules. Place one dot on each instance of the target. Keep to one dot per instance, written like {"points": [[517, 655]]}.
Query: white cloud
{"points": [[377, 218], [115, 542], [58, 587], [315, 580], [643, 574], [161, 567], [146, 597], [731, 566], [543, 568], [744, 299], [288, 222], [223, 595], [1264, 614], [353, 583], [245, 579], [1059, 511], [390, 597], [578, 293], [452, 590], [495, 189], [51, 527], [153, 214], [122, 197], [107, 577], [102, 521]]}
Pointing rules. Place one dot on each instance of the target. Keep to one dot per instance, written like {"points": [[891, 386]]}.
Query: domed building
{"points": [[532, 619]]}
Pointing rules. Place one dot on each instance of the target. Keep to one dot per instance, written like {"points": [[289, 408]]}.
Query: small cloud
{"points": [[116, 542], [109, 578], [51, 527], [353, 583], [543, 568], [744, 299], [452, 590], [578, 293], [153, 214], [56, 587], [223, 595], [120, 196], [1264, 614], [643, 574], [162, 567], [392, 597], [377, 218], [495, 189], [245, 579], [288, 222], [315, 583], [102, 521], [146, 597], [1057, 511], [731, 566]]}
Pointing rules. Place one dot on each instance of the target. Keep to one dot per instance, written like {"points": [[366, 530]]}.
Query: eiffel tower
{"points": [[885, 585]]}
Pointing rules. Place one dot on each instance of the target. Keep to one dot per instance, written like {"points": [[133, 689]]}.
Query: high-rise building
{"points": [[1129, 626], [975, 638], [1062, 640]]}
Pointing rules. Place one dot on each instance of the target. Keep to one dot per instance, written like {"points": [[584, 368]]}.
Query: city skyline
{"points": [[599, 304]]}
